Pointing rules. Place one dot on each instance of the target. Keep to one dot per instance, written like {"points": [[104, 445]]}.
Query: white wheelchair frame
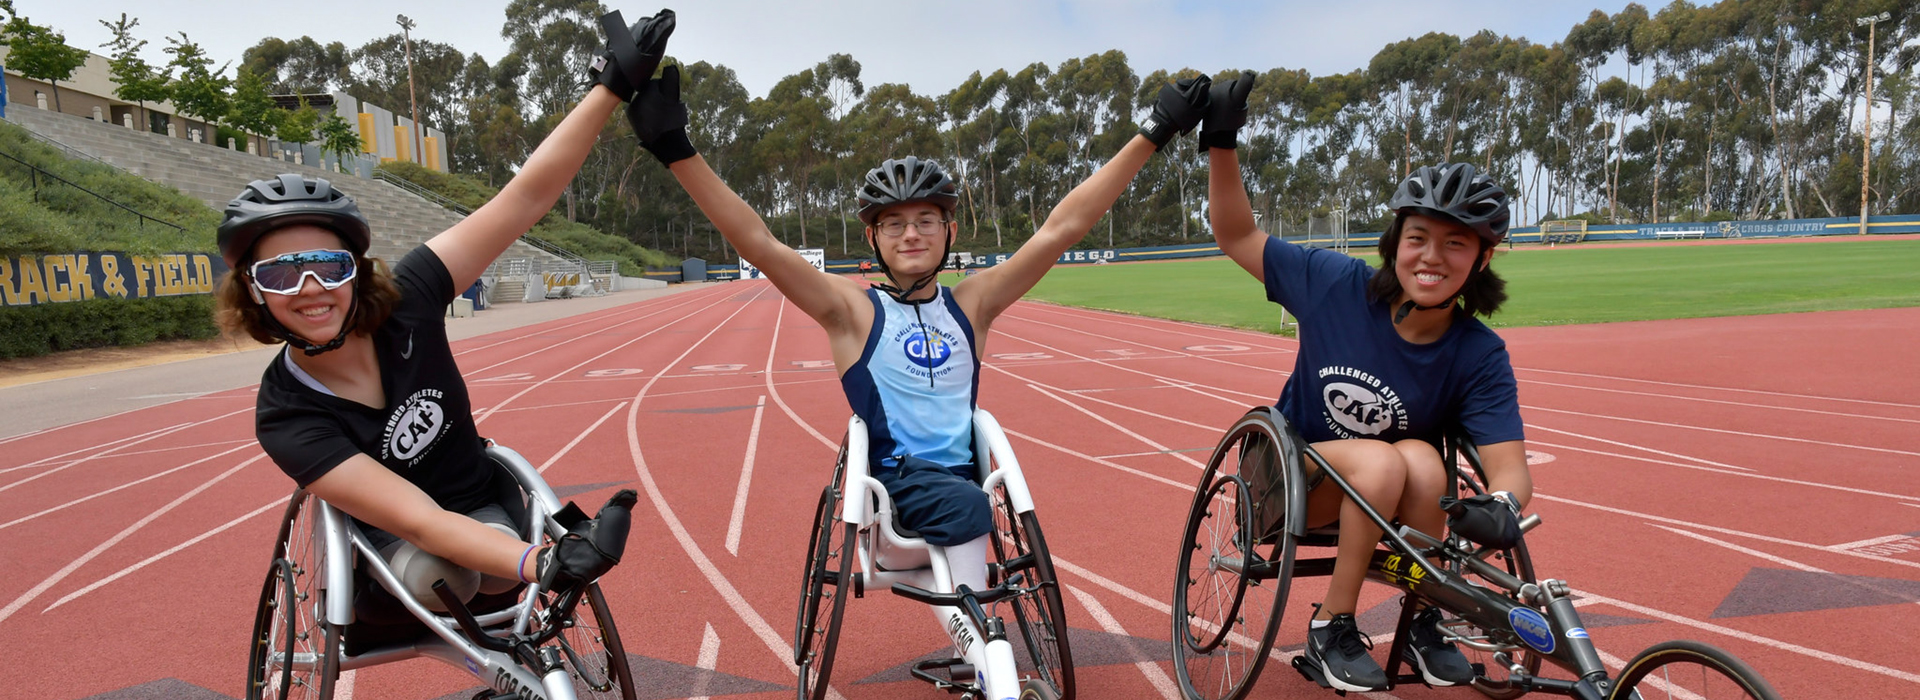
{"points": [[886, 558], [337, 544]]}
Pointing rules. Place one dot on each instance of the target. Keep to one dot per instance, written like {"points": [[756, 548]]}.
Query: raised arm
{"points": [[996, 288], [1178, 108], [822, 296], [1228, 210], [659, 118], [476, 241]]}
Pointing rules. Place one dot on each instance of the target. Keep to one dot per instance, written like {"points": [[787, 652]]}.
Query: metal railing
{"points": [[37, 176], [420, 192]]}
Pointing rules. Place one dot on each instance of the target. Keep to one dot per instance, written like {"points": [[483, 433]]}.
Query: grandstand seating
{"points": [[400, 220]]}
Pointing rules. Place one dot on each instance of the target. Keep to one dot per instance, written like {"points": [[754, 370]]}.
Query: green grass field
{"points": [[1551, 287]]}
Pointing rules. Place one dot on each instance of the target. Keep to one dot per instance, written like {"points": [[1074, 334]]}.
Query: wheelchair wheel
{"points": [[1020, 548], [593, 652], [823, 595], [1687, 669], [1228, 598], [294, 653]]}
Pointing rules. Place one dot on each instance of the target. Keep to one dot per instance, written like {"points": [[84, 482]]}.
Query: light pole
{"points": [[406, 36], [1866, 137]]}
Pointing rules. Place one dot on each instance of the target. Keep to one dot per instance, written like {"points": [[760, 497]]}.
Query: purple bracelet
{"points": [[523, 563]]}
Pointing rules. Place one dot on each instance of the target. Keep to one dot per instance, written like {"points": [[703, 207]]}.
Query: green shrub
{"points": [[60, 218], [26, 331]]}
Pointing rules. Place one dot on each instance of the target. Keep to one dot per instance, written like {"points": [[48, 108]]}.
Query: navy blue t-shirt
{"points": [[1357, 378]]}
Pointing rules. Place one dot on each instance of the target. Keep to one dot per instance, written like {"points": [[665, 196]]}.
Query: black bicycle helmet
{"points": [[284, 201], [903, 180], [1457, 191]]}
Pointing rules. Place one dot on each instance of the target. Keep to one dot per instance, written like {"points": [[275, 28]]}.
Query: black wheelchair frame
{"points": [[1499, 608]]}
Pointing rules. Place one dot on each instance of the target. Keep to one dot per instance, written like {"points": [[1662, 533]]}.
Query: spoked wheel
{"points": [[1228, 598], [594, 655], [294, 653], [1020, 548], [823, 595], [1687, 669]]}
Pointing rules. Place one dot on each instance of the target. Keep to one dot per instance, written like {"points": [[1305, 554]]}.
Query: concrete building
{"points": [[90, 95]]}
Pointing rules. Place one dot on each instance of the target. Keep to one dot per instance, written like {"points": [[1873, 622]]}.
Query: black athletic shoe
{"points": [[1439, 661], [1340, 651]]}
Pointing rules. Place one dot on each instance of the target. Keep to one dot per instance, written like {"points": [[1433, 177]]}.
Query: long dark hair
{"points": [[1482, 294]]}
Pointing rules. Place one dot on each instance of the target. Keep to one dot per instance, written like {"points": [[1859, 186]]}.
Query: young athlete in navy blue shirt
{"points": [[1388, 360]]}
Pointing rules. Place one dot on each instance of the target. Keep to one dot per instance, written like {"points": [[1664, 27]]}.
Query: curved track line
{"points": [[1662, 453], [1676, 397], [1764, 477], [278, 502], [774, 391], [64, 571], [583, 363], [55, 459], [721, 585], [124, 445], [1754, 638], [589, 317]]}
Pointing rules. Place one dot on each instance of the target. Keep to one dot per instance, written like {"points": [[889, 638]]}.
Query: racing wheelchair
{"points": [[855, 524], [1237, 562], [331, 604]]}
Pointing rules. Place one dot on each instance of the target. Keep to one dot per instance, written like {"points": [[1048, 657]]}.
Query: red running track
{"points": [[1742, 481]]}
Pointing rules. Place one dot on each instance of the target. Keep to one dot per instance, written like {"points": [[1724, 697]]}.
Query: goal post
{"points": [[1563, 231]]}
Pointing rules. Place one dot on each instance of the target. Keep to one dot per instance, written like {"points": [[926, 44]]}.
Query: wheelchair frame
{"points": [[860, 502], [1507, 622], [520, 665]]}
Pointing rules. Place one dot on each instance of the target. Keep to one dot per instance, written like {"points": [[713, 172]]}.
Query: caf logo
{"points": [[415, 426], [1357, 408], [927, 349]]}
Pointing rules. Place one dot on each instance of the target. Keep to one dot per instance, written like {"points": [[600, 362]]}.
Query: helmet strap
{"points": [[280, 331], [898, 294]]}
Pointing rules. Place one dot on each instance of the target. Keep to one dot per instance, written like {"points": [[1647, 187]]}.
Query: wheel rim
{"points": [[1020, 547], [594, 654], [1224, 621], [294, 653], [827, 565], [1686, 669]]}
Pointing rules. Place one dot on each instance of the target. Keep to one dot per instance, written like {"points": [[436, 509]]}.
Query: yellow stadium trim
{"points": [[369, 136]]}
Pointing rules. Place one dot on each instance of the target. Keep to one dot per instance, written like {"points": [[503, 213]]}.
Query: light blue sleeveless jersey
{"points": [[917, 381]]}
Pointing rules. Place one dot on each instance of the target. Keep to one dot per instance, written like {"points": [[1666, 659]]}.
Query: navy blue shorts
{"points": [[944, 505]]}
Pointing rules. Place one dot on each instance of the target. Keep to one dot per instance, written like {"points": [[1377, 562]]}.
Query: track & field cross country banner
{"points": [[26, 280]]}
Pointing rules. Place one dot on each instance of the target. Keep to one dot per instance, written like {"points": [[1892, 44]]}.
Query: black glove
{"points": [[659, 118], [632, 53], [590, 548], [1483, 520], [1226, 113], [1179, 108]]}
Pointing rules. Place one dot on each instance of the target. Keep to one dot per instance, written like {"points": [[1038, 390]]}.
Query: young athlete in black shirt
{"points": [[365, 407]]}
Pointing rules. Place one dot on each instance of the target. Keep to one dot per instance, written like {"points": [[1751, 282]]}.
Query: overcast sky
{"points": [[931, 46]]}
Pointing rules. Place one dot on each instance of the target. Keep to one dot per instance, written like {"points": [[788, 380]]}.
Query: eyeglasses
{"points": [[286, 274], [926, 227]]}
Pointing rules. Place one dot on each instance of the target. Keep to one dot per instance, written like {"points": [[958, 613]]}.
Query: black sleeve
{"points": [[305, 442], [425, 284]]}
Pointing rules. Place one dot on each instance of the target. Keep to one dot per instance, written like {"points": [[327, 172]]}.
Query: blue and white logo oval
{"points": [[1532, 628], [928, 350]]}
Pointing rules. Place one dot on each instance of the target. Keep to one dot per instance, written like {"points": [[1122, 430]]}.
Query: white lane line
{"points": [[582, 436], [343, 685], [563, 404], [1754, 638], [1783, 561], [1822, 443], [1083, 394], [1163, 449], [1855, 415], [746, 478], [721, 585], [124, 445], [55, 459], [1153, 453], [1178, 353], [709, 660], [1722, 388], [1663, 453], [1101, 462], [117, 575], [1187, 327], [128, 485], [775, 392], [160, 450], [64, 571], [1149, 668], [1762, 477], [1169, 380], [600, 316], [1871, 541], [1725, 530], [643, 336]]}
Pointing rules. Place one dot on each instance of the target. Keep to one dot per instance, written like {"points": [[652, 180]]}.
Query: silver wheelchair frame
{"points": [[318, 580], [914, 569]]}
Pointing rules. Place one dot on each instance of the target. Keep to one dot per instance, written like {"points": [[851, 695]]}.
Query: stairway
{"points": [[400, 220]]}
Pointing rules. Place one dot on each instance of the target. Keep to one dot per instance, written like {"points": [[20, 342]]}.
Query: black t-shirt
{"points": [[426, 432]]}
